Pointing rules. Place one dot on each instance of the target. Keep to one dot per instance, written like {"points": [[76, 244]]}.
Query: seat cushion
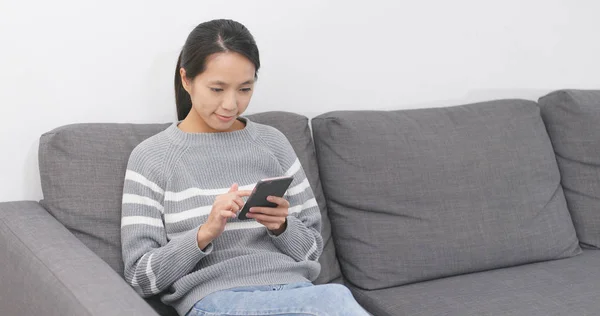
{"points": [[415, 195], [82, 168], [561, 287], [572, 118]]}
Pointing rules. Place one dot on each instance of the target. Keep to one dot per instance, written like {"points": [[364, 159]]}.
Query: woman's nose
{"points": [[230, 103]]}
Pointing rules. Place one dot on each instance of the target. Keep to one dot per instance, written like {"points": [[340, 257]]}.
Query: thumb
{"points": [[234, 187]]}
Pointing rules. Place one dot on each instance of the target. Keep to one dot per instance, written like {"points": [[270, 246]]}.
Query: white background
{"points": [[65, 62]]}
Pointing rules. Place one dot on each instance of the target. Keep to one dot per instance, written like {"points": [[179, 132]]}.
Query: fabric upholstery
{"points": [[415, 195], [43, 267], [564, 287], [572, 118]]}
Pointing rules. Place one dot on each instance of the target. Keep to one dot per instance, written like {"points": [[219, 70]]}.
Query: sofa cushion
{"points": [[421, 194], [572, 118], [82, 168], [560, 287]]}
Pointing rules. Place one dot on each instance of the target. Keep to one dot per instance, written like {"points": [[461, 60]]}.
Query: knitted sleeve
{"points": [[152, 263]]}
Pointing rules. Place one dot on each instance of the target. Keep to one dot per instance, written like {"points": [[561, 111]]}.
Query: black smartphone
{"points": [[265, 187]]}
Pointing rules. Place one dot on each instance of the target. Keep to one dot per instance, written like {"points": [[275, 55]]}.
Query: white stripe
{"points": [[151, 276], [134, 281], [142, 200], [294, 168], [229, 226], [312, 250], [136, 177], [298, 188], [243, 225], [142, 220], [191, 192], [182, 216], [299, 208]]}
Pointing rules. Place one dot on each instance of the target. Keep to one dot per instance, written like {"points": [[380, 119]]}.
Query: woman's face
{"points": [[221, 93]]}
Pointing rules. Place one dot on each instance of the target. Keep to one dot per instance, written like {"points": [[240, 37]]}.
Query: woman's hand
{"points": [[274, 218], [225, 206]]}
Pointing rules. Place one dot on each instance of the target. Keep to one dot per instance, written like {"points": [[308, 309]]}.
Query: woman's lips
{"points": [[225, 118]]}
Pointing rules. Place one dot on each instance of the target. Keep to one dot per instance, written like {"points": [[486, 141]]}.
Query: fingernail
{"points": [[251, 209], [269, 198]]}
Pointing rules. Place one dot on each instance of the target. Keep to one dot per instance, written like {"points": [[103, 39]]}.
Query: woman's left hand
{"points": [[274, 218]]}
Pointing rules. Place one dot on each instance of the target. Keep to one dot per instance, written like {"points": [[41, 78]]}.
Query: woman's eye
{"points": [[246, 89], [216, 89]]}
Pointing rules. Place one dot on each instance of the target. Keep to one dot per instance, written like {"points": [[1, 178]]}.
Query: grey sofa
{"points": [[480, 209]]}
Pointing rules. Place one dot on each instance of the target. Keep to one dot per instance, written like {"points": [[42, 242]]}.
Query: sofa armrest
{"points": [[46, 270]]}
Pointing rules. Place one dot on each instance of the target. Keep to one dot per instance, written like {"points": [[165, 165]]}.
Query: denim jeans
{"points": [[285, 299]]}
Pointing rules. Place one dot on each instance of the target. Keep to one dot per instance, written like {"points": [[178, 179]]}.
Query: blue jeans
{"points": [[285, 299]]}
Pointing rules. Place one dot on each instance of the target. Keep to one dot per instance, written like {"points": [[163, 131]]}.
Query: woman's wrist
{"points": [[281, 229], [203, 238]]}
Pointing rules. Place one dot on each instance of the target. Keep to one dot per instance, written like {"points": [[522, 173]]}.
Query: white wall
{"points": [[66, 61]]}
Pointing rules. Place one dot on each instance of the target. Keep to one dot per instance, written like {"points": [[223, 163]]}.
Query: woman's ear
{"points": [[184, 80]]}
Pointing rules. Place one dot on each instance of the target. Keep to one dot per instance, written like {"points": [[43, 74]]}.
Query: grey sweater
{"points": [[172, 180]]}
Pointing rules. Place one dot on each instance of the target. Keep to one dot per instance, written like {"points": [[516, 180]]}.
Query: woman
{"points": [[180, 234]]}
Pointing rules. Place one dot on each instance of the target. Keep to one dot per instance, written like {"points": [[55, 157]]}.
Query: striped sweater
{"points": [[172, 180]]}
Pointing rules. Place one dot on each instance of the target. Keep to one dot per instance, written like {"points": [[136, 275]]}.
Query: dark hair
{"points": [[206, 39]]}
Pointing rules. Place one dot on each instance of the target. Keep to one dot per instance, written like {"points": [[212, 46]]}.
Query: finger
{"points": [[233, 206], [267, 218], [272, 211], [229, 205], [243, 192], [227, 213], [234, 187], [238, 200], [278, 200]]}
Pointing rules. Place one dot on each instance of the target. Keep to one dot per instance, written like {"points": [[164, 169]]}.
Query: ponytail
{"points": [[182, 97]]}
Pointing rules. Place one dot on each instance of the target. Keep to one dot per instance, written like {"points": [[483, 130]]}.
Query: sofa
{"points": [[490, 208]]}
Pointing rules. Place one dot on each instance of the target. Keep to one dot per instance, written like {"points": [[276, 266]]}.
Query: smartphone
{"points": [[265, 187]]}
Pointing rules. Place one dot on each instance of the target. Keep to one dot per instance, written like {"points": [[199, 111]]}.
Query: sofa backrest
{"points": [[572, 118], [82, 169], [415, 195]]}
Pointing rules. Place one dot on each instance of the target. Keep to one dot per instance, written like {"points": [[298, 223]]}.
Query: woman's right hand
{"points": [[225, 206]]}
